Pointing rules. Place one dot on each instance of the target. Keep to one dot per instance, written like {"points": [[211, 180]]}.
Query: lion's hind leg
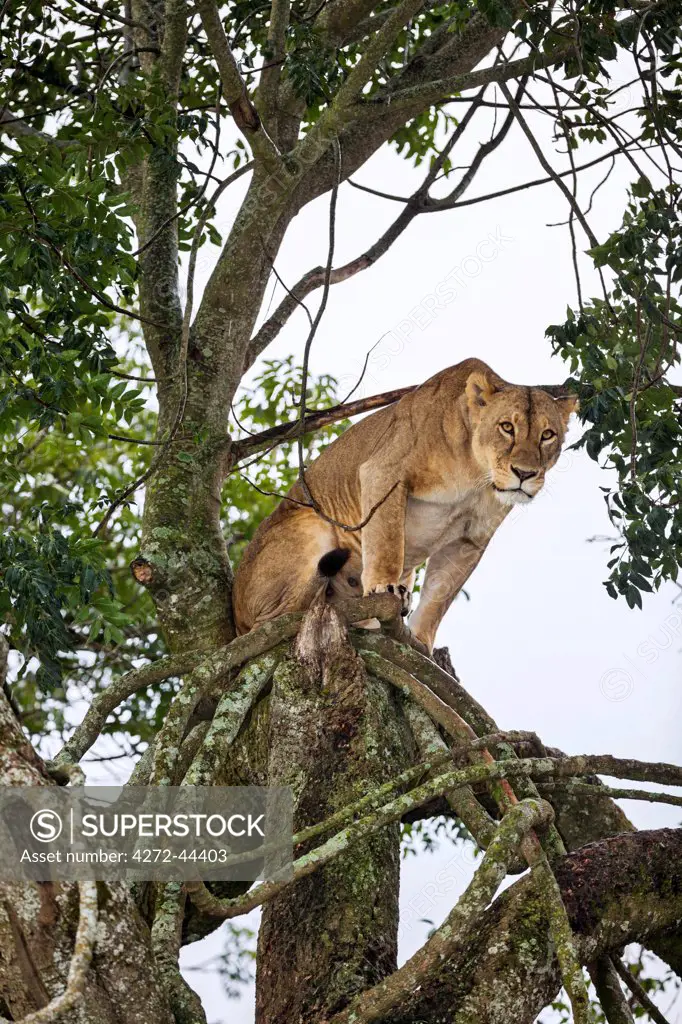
{"points": [[284, 575]]}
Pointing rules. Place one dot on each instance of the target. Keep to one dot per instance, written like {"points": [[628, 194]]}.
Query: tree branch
{"points": [[462, 801], [386, 997], [638, 991], [80, 962], [436, 91], [233, 707], [270, 76], [273, 436], [396, 808], [243, 110], [609, 992], [20, 129], [106, 701], [213, 666], [622, 889], [416, 204], [343, 107], [546, 166]]}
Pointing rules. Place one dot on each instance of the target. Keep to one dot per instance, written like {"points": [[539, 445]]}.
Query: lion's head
{"points": [[517, 433]]}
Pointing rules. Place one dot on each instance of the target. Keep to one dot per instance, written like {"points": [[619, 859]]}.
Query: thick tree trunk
{"points": [[335, 734], [183, 559], [38, 923]]}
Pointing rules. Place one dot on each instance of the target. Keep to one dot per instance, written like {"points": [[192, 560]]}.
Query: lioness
{"points": [[441, 469]]}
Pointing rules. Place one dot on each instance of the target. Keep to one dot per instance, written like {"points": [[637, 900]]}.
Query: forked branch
{"points": [[243, 109]]}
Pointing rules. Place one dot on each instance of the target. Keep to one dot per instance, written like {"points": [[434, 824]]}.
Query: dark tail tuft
{"points": [[333, 562]]}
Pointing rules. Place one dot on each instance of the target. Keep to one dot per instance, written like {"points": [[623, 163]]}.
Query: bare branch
{"points": [[619, 793], [490, 195], [419, 202], [106, 701], [267, 439], [610, 994], [316, 322], [395, 809], [462, 801], [20, 129], [542, 160], [639, 992], [574, 188], [376, 1003]]}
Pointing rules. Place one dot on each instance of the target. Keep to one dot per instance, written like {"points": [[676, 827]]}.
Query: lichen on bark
{"points": [[332, 737]]}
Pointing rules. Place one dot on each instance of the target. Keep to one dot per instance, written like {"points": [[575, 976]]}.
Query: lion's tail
{"points": [[330, 565], [321, 631], [321, 586]]}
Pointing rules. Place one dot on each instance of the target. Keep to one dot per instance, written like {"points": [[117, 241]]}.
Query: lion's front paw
{"points": [[400, 589]]}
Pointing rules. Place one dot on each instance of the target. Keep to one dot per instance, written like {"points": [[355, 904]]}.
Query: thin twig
{"points": [[490, 195], [574, 189], [320, 312], [609, 991]]}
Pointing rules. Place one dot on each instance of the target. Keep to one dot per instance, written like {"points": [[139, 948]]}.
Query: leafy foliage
{"points": [[425, 836], [622, 347]]}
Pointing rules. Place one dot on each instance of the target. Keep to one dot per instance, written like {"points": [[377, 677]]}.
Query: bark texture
{"points": [[38, 922], [624, 889], [334, 735]]}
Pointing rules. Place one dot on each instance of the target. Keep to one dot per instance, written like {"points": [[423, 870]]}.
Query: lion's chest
{"points": [[433, 524]]}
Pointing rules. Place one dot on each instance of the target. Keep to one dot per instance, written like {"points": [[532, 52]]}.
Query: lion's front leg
{"points": [[446, 573]]}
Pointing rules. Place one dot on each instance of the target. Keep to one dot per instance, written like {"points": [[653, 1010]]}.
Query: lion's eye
{"points": [[547, 435], [507, 427]]}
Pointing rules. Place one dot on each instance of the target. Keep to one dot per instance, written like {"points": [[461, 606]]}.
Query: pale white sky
{"points": [[540, 643]]}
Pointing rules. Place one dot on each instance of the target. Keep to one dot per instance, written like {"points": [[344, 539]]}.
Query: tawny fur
{"points": [[447, 451]]}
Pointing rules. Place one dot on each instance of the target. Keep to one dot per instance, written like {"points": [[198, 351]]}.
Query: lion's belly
{"points": [[432, 525]]}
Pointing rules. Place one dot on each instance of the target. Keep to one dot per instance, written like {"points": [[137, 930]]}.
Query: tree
{"points": [[113, 120]]}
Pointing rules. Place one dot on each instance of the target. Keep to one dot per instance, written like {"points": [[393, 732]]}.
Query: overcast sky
{"points": [[539, 644]]}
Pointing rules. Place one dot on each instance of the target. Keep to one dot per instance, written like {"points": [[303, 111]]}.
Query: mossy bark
{"points": [[38, 922], [625, 889], [183, 559], [335, 733]]}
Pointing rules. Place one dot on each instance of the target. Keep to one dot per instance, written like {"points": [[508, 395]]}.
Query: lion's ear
{"points": [[566, 405], [480, 388]]}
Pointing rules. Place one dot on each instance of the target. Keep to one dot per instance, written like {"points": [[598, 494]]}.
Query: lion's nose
{"points": [[524, 474]]}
